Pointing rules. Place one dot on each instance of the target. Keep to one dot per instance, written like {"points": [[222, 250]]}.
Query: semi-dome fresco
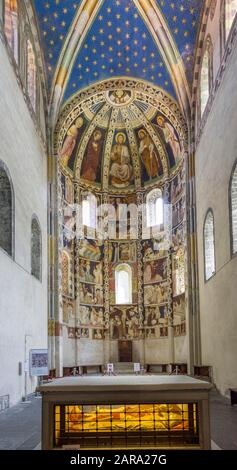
{"points": [[122, 140]]}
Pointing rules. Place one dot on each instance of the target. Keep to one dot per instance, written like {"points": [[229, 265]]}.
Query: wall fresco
{"points": [[124, 323], [90, 271], [91, 164], [155, 271], [168, 134], [179, 315], [151, 163], [121, 169], [91, 249], [156, 322]]}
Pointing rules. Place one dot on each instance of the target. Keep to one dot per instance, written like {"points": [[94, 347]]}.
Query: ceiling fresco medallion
{"points": [[120, 97]]}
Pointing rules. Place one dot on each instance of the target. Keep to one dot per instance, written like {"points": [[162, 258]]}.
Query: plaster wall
{"points": [[215, 157], [180, 349], [23, 299]]}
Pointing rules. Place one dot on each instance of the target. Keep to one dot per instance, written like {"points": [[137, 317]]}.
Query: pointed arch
{"points": [[123, 284], [7, 211], [156, 24], [209, 245], [169, 51], [227, 16], [206, 74], [11, 26], [154, 208], [77, 32], [31, 72], [233, 209]]}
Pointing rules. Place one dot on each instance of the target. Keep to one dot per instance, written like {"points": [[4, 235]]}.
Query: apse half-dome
{"points": [[126, 136]]}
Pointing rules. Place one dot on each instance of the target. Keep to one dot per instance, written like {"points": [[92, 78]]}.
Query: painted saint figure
{"points": [[97, 273], [70, 142], [150, 158], [91, 159], [121, 169], [170, 137]]}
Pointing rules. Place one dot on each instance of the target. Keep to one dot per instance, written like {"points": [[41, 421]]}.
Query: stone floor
{"points": [[20, 426], [223, 422]]}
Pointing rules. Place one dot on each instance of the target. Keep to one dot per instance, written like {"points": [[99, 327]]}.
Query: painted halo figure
{"points": [[170, 137], [97, 273], [121, 169], [92, 157], [70, 142], [150, 158]]}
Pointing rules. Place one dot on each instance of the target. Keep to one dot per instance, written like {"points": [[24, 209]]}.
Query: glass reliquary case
{"points": [[126, 426]]}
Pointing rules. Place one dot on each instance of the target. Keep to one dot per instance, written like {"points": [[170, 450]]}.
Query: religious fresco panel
{"points": [[156, 294], [151, 163], [78, 333], [156, 322], [153, 250], [91, 163], [91, 249], [155, 271], [98, 334], [124, 323], [68, 311], [169, 136], [121, 166], [178, 271], [178, 212], [90, 271], [123, 251], [68, 151], [179, 315], [123, 218], [177, 187], [91, 294], [91, 317]]}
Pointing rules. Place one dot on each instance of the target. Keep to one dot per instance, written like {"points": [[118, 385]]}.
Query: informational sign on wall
{"points": [[38, 362], [137, 367]]}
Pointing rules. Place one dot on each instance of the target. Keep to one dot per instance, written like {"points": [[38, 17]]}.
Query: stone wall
{"points": [[23, 299], [215, 157]]}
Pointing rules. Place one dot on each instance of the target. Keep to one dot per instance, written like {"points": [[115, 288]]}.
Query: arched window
{"points": [[11, 25], [209, 246], [89, 211], [123, 284], [155, 208], [206, 77], [233, 209], [65, 273], [31, 74], [36, 249], [6, 211], [228, 12]]}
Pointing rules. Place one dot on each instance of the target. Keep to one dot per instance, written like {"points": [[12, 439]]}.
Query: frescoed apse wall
{"points": [[117, 142]]}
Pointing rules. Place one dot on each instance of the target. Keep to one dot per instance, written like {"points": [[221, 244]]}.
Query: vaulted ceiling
{"points": [[86, 41]]}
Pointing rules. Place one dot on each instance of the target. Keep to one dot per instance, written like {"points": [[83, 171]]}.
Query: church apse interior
{"points": [[130, 159], [118, 208]]}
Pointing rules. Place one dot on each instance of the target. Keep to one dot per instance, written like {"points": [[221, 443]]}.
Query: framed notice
{"points": [[137, 367], [38, 362]]}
